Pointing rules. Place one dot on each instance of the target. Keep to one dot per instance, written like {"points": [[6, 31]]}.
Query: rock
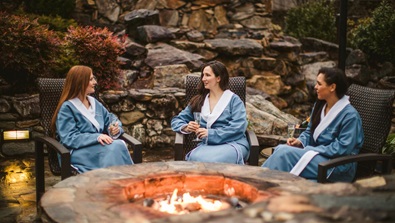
{"points": [[356, 57], [138, 18], [270, 84], [161, 54], [153, 34], [241, 47], [170, 76]]}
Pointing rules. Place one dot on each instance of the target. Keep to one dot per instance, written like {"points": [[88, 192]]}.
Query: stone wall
{"points": [[174, 38]]}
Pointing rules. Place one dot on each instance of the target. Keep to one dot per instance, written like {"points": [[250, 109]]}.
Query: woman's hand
{"points": [[104, 139], [202, 133], [294, 142], [113, 129], [192, 126]]}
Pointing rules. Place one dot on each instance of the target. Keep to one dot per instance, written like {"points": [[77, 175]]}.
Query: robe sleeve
{"points": [[349, 136], [235, 127], [182, 119], [305, 137]]}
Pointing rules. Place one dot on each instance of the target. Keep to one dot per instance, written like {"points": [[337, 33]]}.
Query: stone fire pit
{"points": [[115, 195]]}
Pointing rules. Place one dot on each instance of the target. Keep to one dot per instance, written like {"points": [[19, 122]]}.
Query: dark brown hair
{"points": [[219, 70]]}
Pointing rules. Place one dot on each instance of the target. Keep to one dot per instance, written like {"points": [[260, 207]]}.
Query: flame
{"points": [[183, 205]]}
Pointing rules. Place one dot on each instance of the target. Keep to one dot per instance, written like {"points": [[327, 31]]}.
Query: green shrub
{"points": [[57, 23], [312, 19], [63, 8], [99, 49], [28, 50], [389, 147], [375, 36]]}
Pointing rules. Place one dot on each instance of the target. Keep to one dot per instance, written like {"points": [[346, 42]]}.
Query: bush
{"points": [[63, 8], [375, 36], [99, 49], [312, 19], [57, 23], [28, 50], [389, 147]]}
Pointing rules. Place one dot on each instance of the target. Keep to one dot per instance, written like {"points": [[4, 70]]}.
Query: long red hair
{"points": [[75, 85]]}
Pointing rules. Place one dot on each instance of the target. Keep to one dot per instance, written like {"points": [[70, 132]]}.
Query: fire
{"points": [[188, 203]]}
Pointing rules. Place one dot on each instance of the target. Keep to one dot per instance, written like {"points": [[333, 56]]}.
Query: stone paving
{"points": [[18, 189]]}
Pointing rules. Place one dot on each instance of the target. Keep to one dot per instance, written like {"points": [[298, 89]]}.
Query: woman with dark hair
{"points": [[335, 130], [85, 127], [223, 123]]}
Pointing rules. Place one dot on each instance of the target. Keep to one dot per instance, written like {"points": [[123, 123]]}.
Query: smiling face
{"points": [[324, 91], [209, 79], [91, 86]]}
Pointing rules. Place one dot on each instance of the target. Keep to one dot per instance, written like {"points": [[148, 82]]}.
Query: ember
{"points": [[187, 203]]}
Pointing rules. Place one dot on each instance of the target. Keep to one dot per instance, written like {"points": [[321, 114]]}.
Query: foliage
{"points": [[374, 35], [389, 147], [63, 8], [312, 19], [57, 23], [99, 49], [27, 48]]}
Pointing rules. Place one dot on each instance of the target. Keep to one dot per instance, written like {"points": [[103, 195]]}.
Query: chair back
{"points": [[375, 108], [50, 90], [236, 84]]}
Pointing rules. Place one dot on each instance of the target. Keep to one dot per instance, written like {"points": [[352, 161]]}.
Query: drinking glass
{"points": [[197, 117], [113, 122], [291, 130]]}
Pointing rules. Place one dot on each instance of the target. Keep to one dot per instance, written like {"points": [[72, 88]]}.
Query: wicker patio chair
{"points": [[50, 90], [375, 109], [184, 143]]}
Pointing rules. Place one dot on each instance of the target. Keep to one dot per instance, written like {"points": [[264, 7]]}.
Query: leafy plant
{"points": [[389, 147], [99, 49], [28, 50], [374, 35], [312, 19], [57, 23]]}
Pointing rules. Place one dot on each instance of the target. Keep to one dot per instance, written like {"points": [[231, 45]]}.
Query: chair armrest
{"points": [[39, 162], [179, 147], [324, 166], [137, 147], [59, 148], [254, 148]]}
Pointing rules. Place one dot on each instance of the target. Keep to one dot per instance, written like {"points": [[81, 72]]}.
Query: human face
{"points": [[324, 91], [209, 79], [91, 86]]}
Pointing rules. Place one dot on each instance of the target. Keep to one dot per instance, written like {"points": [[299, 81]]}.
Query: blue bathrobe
{"points": [[78, 130], [226, 141], [343, 136]]}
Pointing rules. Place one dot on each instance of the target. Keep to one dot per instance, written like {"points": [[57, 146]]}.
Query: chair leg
{"points": [[40, 181], [179, 147], [137, 153], [254, 148]]}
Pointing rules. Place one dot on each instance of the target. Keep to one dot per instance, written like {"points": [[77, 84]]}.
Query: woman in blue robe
{"points": [[335, 130], [223, 123], [85, 127]]}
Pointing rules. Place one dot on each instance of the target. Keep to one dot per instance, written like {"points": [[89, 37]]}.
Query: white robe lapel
{"points": [[90, 115], [326, 120], [210, 118]]}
